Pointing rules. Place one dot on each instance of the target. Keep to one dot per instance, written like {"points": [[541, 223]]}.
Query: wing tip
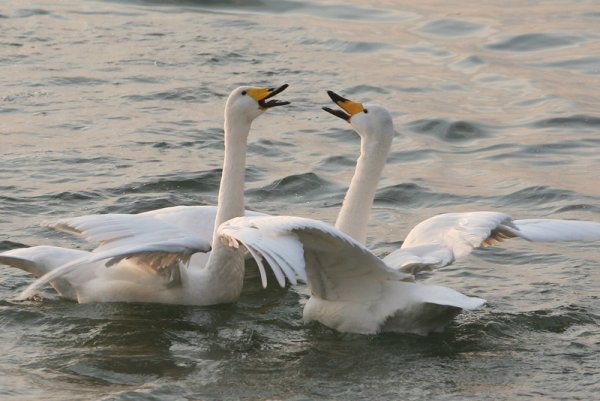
{"points": [[28, 293], [475, 303]]}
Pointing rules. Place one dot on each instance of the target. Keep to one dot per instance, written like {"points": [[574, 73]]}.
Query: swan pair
{"points": [[352, 290]]}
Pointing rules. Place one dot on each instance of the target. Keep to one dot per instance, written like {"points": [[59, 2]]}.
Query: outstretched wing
{"points": [[153, 226], [335, 266], [438, 241], [159, 239], [198, 220], [551, 230], [153, 236], [150, 242], [164, 258], [146, 237]]}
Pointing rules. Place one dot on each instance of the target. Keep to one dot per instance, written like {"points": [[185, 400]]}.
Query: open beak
{"points": [[349, 107], [262, 94]]}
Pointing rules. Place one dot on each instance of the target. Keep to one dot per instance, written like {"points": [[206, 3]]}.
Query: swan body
{"points": [[352, 290], [161, 255]]}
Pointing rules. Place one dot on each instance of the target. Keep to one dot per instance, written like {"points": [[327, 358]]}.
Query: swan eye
{"points": [[366, 111], [244, 93]]}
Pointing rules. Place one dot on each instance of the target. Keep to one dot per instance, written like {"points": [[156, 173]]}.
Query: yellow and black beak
{"points": [[262, 94], [350, 108]]}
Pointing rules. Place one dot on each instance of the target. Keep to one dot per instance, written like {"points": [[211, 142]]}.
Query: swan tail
{"points": [[423, 309], [20, 263], [40, 260], [32, 260], [444, 296]]}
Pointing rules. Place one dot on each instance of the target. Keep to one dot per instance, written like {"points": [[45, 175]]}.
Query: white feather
{"points": [[352, 290], [438, 241], [154, 256]]}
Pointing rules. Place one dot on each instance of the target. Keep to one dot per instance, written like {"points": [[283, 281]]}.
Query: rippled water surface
{"points": [[116, 106]]}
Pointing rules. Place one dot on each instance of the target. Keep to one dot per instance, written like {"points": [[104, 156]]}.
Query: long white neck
{"points": [[226, 265], [230, 202], [353, 218]]}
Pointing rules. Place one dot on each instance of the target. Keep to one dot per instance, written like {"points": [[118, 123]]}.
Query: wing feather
{"points": [[155, 225], [114, 231], [275, 267], [551, 230], [154, 244], [259, 261], [438, 241], [339, 267]]}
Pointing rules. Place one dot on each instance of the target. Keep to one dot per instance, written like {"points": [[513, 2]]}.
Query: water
{"points": [[116, 106]]}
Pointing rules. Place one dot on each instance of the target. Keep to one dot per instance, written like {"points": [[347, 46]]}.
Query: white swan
{"points": [[147, 252], [354, 291]]}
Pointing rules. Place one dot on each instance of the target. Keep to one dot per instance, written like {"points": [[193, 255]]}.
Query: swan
{"points": [[354, 291], [147, 252]]}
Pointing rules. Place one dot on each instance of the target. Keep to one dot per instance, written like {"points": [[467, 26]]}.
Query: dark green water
{"points": [[116, 106]]}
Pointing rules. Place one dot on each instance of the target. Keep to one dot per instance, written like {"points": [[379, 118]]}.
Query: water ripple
{"points": [[30, 12], [412, 195], [575, 121], [297, 186], [207, 181], [536, 41], [539, 196], [347, 46], [587, 65], [469, 64], [449, 27], [76, 80], [196, 95], [450, 131]]}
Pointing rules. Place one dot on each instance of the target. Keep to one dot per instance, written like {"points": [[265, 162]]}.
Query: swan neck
{"points": [[230, 202], [226, 265], [353, 218]]}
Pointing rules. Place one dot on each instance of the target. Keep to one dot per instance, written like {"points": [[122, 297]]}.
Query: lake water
{"points": [[116, 106]]}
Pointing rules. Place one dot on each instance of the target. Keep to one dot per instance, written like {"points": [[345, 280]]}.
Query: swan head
{"points": [[248, 102], [372, 122]]}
